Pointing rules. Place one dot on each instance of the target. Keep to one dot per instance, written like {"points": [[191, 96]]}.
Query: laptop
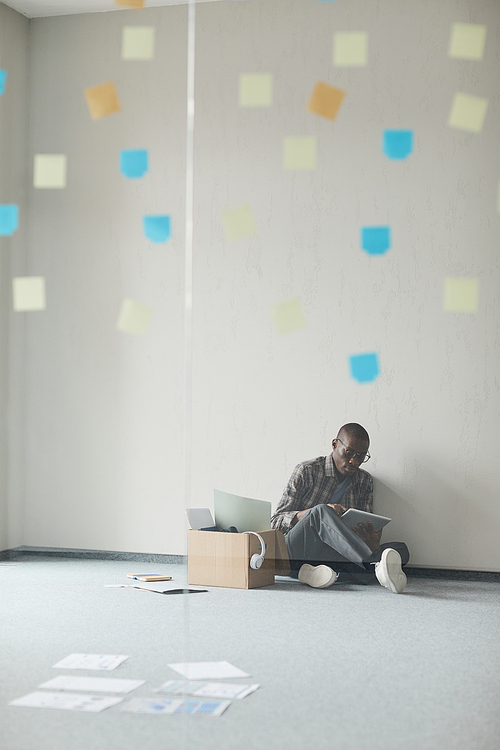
{"points": [[243, 512]]}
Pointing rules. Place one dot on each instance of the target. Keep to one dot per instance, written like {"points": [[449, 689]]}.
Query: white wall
{"points": [[104, 410], [13, 183]]}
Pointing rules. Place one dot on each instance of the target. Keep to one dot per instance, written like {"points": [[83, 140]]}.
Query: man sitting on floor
{"points": [[320, 545]]}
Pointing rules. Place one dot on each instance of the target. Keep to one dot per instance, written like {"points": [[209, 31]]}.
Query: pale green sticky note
{"points": [[134, 317], [256, 90], [288, 315], [468, 112], [460, 294], [299, 152], [350, 48], [239, 222], [28, 293], [467, 41], [138, 42], [49, 171]]}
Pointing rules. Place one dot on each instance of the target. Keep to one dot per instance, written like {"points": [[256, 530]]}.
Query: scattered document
{"points": [[288, 315], [256, 90], [9, 219], [102, 100], [460, 294], [91, 661], [49, 171], [138, 42], [376, 240], [28, 293], [207, 689], [134, 162], [175, 706], [364, 367], [206, 670], [467, 41], [350, 49], [325, 100], [239, 223], [156, 228], [92, 684], [3, 80], [468, 112], [299, 152], [66, 701], [134, 317]]}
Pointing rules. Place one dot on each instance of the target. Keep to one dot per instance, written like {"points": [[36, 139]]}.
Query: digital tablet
{"points": [[353, 516]]}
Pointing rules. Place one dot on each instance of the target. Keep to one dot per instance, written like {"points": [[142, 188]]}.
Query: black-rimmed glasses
{"points": [[349, 453]]}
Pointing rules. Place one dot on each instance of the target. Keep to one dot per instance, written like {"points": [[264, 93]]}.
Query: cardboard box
{"points": [[217, 558]]}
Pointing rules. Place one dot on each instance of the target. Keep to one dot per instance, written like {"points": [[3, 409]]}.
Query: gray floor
{"points": [[347, 668]]}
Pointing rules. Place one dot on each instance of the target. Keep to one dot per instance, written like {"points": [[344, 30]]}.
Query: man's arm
{"points": [[291, 506]]}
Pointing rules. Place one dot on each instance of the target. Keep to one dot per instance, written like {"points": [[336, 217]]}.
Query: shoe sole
{"points": [[319, 577], [390, 563]]}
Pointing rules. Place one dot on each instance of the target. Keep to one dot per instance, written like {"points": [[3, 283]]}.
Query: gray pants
{"points": [[321, 537]]}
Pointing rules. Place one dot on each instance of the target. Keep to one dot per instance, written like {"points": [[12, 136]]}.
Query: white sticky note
{"points": [[28, 293], [350, 48], [288, 315], [256, 90], [239, 223], [468, 112], [134, 317], [299, 152], [91, 661], [467, 41], [207, 670], [49, 171], [460, 294], [138, 42]]}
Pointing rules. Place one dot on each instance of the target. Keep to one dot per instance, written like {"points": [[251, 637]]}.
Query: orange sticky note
{"points": [[102, 100], [325, 100], [131, 3]]}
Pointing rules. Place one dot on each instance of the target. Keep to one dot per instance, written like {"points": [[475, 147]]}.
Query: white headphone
{"points": [[257, 560]]}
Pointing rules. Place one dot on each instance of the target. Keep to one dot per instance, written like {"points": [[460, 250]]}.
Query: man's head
{"points": [[350, 448]]}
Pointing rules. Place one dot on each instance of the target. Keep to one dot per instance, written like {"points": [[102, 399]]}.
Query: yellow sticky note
{"points": [[467, 41], [256, 90], [131, 3], [288, 315], [460, 294], [299, 152], [49, 171], [325, 100], [239, 222], [134, 317], [468, 112], [102, 100], [28, 293], [350, 48], [138, 42]]}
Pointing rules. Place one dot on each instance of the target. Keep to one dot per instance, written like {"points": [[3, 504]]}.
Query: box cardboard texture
{"points": [[217, 558]]}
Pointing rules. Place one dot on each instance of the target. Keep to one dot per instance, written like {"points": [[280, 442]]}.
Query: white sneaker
{"points": [[389, 571], [319, 576]]}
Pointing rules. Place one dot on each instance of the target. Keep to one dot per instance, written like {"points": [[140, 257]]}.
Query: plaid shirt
{"points": [[314, 482]]}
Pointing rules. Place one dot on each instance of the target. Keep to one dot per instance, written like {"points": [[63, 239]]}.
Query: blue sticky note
{"points": [[157, 228], [3, 79], [397, 144], [9, 219], [364, 367], [134, 162], [376, 240]]}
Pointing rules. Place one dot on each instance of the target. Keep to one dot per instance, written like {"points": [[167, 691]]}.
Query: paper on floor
{"points": [[91, 661], [92, 684], [205, 670], [175, 706], [67, 701], [206, 689]]}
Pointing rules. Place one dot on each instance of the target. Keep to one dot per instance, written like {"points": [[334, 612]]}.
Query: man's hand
{"points": [[339, 509], [368, 534]]}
